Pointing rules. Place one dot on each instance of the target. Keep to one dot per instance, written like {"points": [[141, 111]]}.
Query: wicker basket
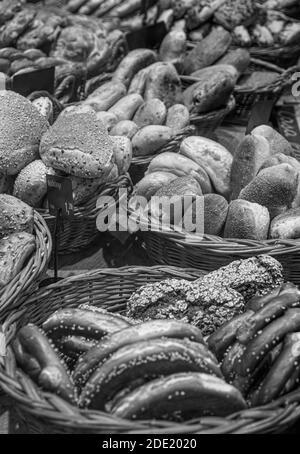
{"points": [[42, 412], [140, 164], [81, 229], [209, 253], [13, 294], [246, 98]]}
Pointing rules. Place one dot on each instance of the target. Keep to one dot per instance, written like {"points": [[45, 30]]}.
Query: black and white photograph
{"points": [[149, 220]]}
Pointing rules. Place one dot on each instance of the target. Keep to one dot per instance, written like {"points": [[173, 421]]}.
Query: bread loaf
{"points": [[15, 250], [21, 129], [278, 143], [250, 155], [163, 83], [126, 128], [133, 62], [286, 226], [213, 157], [106, 96], [150, 139], [239, 58], [178, 117], [207, 51], [247, 220], [31, 183], [152, 112], [15, 216], [212, 91], [78, 144], [173, 46], [215, 213], [180, 166], [274, 188], [84, 188], [126, 107], [152, 182]]}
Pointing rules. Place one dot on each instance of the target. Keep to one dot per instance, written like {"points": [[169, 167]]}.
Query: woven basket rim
{"points": [[51, 409], [27, 279], [217, 244], [215, 115]]}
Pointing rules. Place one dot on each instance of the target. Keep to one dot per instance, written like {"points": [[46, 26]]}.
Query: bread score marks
{"points": [[79, 145]]}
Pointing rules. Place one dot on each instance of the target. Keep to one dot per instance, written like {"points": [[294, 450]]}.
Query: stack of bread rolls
{"points": [[251, 194]]}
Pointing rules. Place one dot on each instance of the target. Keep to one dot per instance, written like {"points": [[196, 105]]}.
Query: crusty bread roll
{"points": [[31, 183], [15, 216], [274, 188], [287, 225], [109, 119], [79, 145], [21, 128], [152, 182], [247, 220], [278, 144], [215, 213], [178, 117], [247, 160], [213, 157], [280, 158]]}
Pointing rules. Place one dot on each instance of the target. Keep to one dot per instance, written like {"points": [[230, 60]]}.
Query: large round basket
{"points": [[209, 253], [42, 412], [26, 281], [81, 230], [140, 164]]}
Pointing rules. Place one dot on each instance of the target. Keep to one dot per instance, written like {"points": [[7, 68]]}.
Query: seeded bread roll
{"points": [[78, 144], [21, 129], [247, 220], [250, 155], [278, 144], [274, 188], [15, 249], [15, 216], [286, 226], [280, 158], [31, 183], [215, 213]]}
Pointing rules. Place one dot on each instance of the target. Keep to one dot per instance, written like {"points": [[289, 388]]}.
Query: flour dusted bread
{"points": [[247, 220], [15, 216], [250, 155], [274, 187], [278, 143], [78, 144], [21, 127], [15, 250], [213, 157]]}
